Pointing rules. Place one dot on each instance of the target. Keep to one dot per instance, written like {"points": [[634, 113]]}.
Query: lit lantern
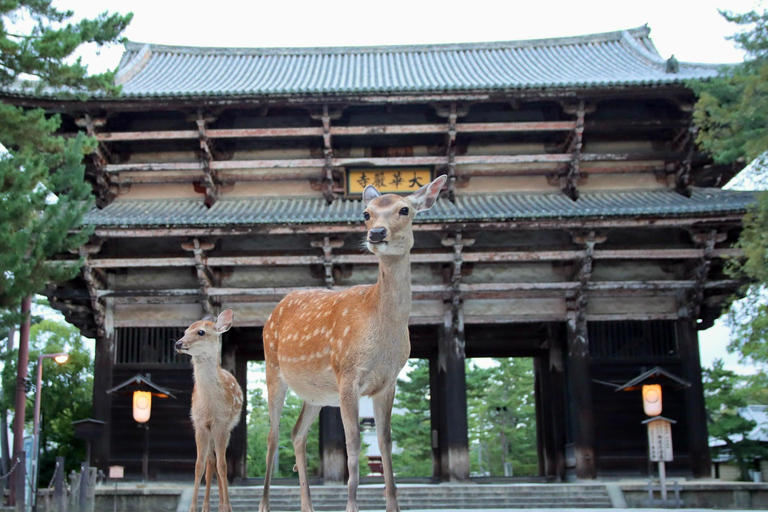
{"points": [[142, 406], [652, 399]]}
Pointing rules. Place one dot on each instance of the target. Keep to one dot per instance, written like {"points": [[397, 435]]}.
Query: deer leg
{"points": [[382, 414], [350, 407], [276, 391], [202, 442], [221, 440], [210, 467], [299, 436]]}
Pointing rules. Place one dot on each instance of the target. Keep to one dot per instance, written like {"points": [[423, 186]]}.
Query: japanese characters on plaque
{"points": [[387, 180], [660, 441]]}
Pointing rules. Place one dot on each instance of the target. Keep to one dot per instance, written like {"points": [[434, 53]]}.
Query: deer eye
{"points": [[403, 211], [201, 332], [366, 216]]}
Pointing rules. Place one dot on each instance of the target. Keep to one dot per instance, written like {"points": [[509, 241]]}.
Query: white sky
{"points": [[692, 30]]}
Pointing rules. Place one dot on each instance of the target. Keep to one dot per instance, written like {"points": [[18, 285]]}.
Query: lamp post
{"points": [[61, 358]]}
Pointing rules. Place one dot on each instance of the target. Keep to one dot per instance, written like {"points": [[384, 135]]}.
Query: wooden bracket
{"points": [[694, 298], [450, 148], [210, 179], [104, 187], [328, 244], [205, 276], [95, 280], [570, 178], [686, 143]]}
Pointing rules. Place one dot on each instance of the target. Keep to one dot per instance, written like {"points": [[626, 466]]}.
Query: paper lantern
{"points": [[652, 399], [142, 406]]}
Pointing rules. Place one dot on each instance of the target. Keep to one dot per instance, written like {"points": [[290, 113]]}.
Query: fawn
{"points": [[216, 403], [332, 347]]}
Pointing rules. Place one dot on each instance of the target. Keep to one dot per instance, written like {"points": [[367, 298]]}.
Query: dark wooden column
{"points": [[102, 401], [545, 440], [450, 396], [698, 449], [333, 447], [580, 384], [238, 444], [434, 417], [554, 390]]}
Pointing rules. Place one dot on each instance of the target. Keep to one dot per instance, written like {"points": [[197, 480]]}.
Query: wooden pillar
{"points": [[544, 421], [434, 417], [333, 446], [580, 385], [451, 402], [555, 390], [696, 416], [238, 444], [102, 380]]}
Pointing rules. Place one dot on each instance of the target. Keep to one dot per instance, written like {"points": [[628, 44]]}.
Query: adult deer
{"points": [[332, 347], [216, 404]]}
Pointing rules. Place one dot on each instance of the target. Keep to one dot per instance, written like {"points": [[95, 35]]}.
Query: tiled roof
{"points": [[599, 60], [467, 208]]}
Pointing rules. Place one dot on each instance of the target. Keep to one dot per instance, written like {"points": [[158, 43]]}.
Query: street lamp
{"points": [[60, 358]]}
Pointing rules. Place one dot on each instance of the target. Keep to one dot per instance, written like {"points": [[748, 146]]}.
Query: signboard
{"points": [[389, 180], [660, 440]]}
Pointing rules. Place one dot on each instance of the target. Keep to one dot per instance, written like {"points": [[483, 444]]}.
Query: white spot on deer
{"points": [[346, 330], [344, 313]]}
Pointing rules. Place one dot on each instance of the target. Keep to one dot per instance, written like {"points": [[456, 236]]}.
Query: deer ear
{"points": [[425, 197], [224, 322], [209, 318], [369, 194]]}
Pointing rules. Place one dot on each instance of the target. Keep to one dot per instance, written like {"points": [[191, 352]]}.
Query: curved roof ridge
{"points": [[637, 32]]}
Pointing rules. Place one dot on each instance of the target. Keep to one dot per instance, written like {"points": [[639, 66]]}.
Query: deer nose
{"points": [[377, 235], [178, 345]]}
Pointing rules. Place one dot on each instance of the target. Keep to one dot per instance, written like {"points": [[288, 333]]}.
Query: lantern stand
{"points": [[660, 450], [142, 389]]}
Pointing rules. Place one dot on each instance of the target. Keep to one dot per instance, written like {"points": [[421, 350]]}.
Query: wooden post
{"points": [[238, 446], [333, 446], [102, 402], [580, 384], [545, 441], [59, 493], [453, 443], [434, 417], [556, 396], [695, 412]]}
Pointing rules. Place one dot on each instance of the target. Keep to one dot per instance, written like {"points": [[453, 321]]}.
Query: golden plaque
{"points": [[399, 180]]}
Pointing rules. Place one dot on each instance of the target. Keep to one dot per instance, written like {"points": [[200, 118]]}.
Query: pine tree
{"points": [[43, 193], [732, 116], [725, 393]]}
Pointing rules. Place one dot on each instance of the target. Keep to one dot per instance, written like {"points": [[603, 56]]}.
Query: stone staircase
{"points": [[413, 497]]}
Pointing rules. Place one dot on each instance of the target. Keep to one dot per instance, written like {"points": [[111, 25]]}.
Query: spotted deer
{"points": [[332, 347], [216, 404]]}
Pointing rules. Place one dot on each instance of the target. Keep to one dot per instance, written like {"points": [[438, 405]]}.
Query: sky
{"points": [[692, 30]]}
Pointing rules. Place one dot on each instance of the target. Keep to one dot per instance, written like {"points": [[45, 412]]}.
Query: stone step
{"points": [[425, 497]]}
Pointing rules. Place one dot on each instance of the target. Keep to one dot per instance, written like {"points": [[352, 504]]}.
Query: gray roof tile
{"points": [[467, 208], [616, 58]]}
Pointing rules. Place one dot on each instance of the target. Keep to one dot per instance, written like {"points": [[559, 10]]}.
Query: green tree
{"points": [[502, 417], [732, 116], [258, 430], [724, 393], [43, 193], [411, 431], [67, 392]]}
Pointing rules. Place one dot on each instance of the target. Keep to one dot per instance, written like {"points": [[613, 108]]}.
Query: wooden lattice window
{"points": [[632, 339], [148, 345]]}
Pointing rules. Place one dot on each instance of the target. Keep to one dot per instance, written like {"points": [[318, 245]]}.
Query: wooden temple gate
{"points": [[580, 226]]}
